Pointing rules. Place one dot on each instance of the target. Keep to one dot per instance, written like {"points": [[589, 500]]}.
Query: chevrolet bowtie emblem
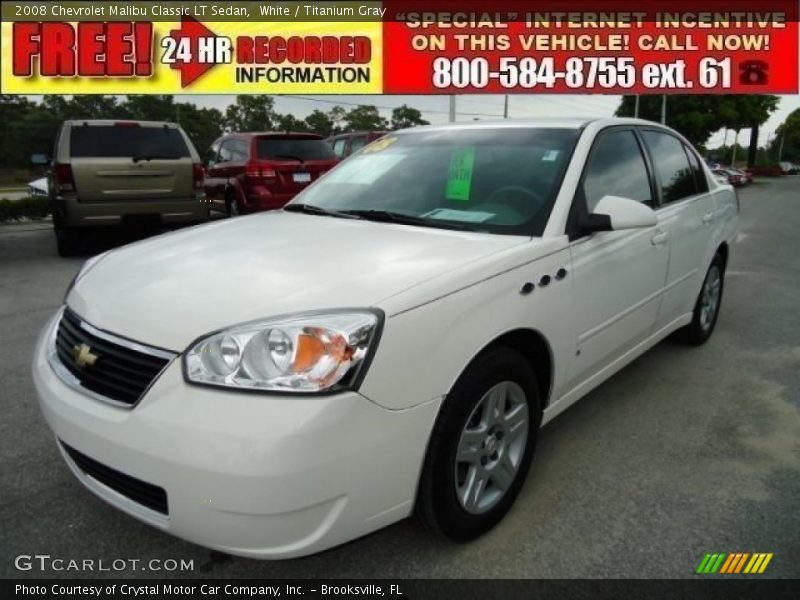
{"points": [[83, 356]]}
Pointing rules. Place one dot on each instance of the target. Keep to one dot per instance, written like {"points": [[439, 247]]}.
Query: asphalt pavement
{"points": [[684, 452]]}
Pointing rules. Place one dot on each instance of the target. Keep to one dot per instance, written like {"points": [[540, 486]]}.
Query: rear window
{"points": [[112, 141], [291, 148]]}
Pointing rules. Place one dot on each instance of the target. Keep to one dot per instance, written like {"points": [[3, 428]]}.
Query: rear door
{"points": [[130, 162], [297, 160], [686, 214]]}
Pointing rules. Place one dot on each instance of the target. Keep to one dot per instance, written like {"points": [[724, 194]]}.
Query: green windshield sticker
{"points": [[459, 178]]}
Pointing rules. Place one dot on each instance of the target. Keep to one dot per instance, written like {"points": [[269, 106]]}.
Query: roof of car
{"points": [[361, 132], [548, 122], [101, 122]]}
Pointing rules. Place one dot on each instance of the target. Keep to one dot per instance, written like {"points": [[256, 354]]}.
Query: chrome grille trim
{"points": [[70, 379]]}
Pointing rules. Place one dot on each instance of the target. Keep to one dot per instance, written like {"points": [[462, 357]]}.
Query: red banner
{"points": [[626, 47]]}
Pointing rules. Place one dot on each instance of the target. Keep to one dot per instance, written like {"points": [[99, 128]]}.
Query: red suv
{"points": [[251, 172]]}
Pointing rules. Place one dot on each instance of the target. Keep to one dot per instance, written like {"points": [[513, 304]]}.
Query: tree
{"points": [[404, 116], [291, 123], [202, 125], [251, 113], [92, 107], [365, 118], [696, 116], [150, 107], [13, 111], [786, 144], [56, 105], [320, 123], [754, 110]]}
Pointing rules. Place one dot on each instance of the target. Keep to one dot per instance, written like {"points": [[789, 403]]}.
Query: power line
{"points": [[342, 102]]}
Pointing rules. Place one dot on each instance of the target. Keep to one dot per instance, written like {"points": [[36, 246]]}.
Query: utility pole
{"points": [[636, 108], [663, 109], [780, 146], [452, 108], [505, 108], [735, 146]]}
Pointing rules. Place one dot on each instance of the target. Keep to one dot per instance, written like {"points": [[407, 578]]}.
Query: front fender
{"points": [[425, 348]]}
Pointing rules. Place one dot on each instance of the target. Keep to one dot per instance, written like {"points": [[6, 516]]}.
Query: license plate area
{"points": [[301, 177]]}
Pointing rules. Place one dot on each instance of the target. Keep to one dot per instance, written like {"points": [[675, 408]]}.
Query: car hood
{"points": [[171, 289]]}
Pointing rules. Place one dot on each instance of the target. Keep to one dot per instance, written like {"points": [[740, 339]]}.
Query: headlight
{"points": [[304, 353]]}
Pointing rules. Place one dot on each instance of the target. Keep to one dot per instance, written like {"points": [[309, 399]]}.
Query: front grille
{"points": [[115, 370], [146, 494]]}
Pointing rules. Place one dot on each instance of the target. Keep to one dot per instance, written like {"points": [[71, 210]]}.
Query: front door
{"points": [[618, 276]]}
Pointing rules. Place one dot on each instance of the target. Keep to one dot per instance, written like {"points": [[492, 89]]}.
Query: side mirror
{"points": [[614, 213]]}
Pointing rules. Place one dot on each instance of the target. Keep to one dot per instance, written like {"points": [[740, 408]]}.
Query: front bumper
{"points": [[248, 474]]}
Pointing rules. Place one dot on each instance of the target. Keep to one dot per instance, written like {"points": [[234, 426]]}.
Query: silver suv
{"points": [[109, 172]]}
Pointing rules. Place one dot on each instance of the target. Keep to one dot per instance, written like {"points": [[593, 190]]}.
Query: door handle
{"points": [[708, 218], [659, 237]]}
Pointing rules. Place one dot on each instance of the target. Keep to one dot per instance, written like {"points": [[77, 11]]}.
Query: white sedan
{"points": [[38, 187], [389, 343]]}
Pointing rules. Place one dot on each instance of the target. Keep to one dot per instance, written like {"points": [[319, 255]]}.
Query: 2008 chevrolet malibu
{"points": [[391, 341]]}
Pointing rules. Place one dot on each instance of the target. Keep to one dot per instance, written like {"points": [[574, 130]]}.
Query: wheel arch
{"points": [[536, 350], [723, 251]]}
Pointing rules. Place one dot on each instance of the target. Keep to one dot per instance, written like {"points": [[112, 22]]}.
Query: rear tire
{"points": [[231, 204], [67, 243], [481, 446], [706, 308]]}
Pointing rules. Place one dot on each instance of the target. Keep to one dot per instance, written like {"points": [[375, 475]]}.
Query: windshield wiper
{"points": [[312, 209], [290, 157], [388, 216], [154, 156]]}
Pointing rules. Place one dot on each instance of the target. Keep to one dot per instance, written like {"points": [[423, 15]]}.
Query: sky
{"points": [[487, 106]]}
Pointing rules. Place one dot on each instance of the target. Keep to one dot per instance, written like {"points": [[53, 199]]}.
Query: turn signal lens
{"points": [[303, 354]]}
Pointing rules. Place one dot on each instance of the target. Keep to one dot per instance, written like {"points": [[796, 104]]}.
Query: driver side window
{"points": [[616, 167]]}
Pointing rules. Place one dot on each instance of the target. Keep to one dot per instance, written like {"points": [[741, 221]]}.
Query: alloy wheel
{"points": [[709, 299], [491, 447]]}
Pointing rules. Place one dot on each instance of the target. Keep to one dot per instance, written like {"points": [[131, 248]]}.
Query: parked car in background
{"points": [[252, 172], [38, 187], [390, 342], [745, 173], [721, 177], [790, 168], [348, 143], [735, 178], [109, 172]]}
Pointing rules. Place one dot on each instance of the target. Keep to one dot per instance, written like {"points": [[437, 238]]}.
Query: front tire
{"points": [[481, 446], [706, 308]]}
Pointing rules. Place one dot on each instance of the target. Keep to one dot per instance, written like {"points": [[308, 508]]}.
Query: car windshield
{"points": [[290, 148], [498, 180]]}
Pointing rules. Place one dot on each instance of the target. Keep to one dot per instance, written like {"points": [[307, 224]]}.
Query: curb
{"points": [[25, 226]]}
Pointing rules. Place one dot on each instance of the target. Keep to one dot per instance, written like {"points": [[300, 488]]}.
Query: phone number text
{"points": [[578, 73]]}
